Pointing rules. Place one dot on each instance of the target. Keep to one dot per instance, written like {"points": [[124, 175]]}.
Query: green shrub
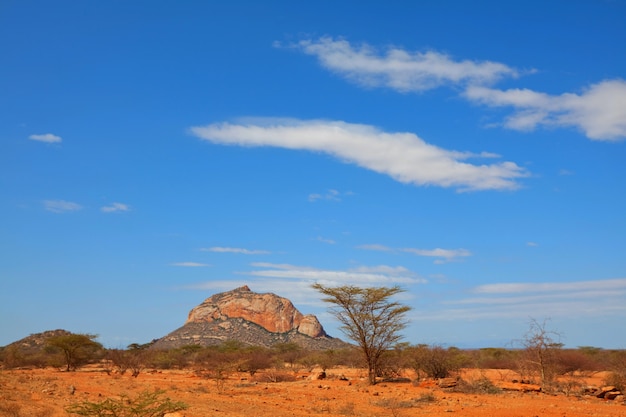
{"points": [[147, 404]]}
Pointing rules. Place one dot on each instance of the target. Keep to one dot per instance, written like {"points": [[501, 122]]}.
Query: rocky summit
{"points": [[250, 318]]}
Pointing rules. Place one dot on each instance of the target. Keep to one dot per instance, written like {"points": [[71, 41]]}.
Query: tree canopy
{"points": [[76, 348], [368, 317]]}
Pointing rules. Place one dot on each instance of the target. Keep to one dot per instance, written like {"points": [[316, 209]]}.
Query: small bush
{"points": [[394, 404], [274, 376], [495, 358], [393, 363], [571, 362], [435, 361], [569, 386], [254, 361], [147, 404], [42, 412], [617, 377], [482, 385], [427, 397], [347, 409], [10, 409]]}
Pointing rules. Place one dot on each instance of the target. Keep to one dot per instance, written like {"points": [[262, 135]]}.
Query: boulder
{"points": [[607, 391], [612, 395], [310, 326], [317, 376]]}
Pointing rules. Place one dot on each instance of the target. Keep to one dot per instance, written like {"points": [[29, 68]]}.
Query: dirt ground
{"points": [[46, 393]]}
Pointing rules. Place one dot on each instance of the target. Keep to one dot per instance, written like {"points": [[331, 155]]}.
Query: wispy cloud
{"points": [[115, 208], [399, 69], [376, 247], [46, 137], [325, 240], [221, 249], [551, 299], [330, 195], [504, 288], [599, 111], [295, 282], [376, 275], [403, 156], [300, 293], [190, 264], [216, 285], [61, 206], [444, 255]]}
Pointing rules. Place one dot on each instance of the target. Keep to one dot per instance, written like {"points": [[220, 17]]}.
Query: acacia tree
{"points": [[76, 348], [369, 318], [542, 346]]}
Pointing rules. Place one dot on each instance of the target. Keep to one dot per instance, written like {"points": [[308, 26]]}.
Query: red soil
{"points": [[46, 393]]}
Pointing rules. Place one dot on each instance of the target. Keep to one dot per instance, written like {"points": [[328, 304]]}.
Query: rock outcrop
{"points": [[249, 318], [275, 314]]}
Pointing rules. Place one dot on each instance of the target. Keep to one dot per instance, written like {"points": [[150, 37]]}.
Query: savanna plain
{"points": [[195, 382]]}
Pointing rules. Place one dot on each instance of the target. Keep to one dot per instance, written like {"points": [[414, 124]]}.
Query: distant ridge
{"points": [[36, 342]]}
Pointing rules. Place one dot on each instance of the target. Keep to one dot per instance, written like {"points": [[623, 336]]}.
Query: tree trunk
{"points": [[371, 374]]}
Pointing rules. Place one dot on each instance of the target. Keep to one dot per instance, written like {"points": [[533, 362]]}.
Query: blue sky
{"points": [[155, 153]]}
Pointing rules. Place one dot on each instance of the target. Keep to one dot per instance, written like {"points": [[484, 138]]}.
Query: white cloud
{"points": [[271, 277], [115, 207], [220, 249], [330, 195], [552, 299], [569, 309], [325, 240], [47, 137], [61, 206], [277, 266], [378, 275], [403, 156], [383, 269], [504, 288], [600, 111], [189, 264], [300, 293], [445, 255], [524, 299], [376, 247], [398, 69]]}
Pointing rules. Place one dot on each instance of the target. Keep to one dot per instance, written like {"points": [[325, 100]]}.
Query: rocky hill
{"points": [[250, 318], [36, 342]]}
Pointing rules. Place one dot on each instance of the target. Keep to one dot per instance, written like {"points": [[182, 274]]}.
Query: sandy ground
{"points": [[46, 393]]}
